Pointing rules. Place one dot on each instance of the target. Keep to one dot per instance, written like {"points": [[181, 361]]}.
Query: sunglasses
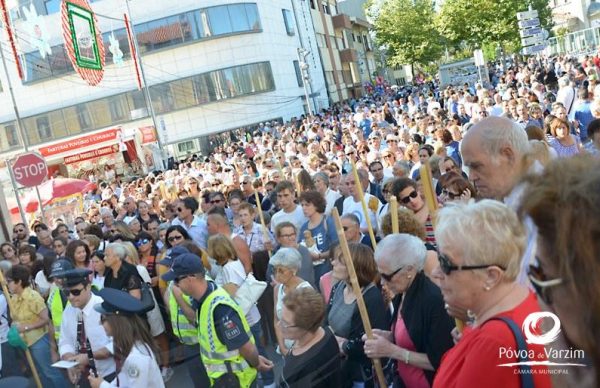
{"points": [[413, 195], [215, 184], [541, 284], [174, 238], [75, 291], [215, 201], [142, 242], [180, 278], [447, 267], [450, 194], [388, 278]]}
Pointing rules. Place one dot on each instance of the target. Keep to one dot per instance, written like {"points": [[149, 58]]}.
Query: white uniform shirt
{"points": [[67, 343], [140, 370]]}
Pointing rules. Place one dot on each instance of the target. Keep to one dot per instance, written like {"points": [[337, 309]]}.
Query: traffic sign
{"points": [[527, 15], [533, 49], [30, 169], [530, 32], [532, 40], [529, 23]]}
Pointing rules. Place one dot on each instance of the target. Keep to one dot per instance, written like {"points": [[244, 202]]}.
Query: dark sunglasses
{"points": [[447, 267], [174, 238], [180, 278], [215, 201], [388, 278], [413, 195], [215, 184], [541, 284], [141, 242], [74, 292]]}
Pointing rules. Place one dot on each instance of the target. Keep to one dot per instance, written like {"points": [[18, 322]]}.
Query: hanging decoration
{"points": [[133, 50], [115, 50], [83, 40], [36, 28], [11, 37]]}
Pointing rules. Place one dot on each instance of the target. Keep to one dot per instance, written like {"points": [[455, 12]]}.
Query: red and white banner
{"points": [[92, 154], [81, 142]]}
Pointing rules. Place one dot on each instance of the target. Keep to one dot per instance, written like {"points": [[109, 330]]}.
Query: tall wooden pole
{"points": [[361, 195]]}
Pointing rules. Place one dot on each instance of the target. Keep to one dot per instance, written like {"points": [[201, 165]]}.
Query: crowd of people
{"points": [[164, 269]]}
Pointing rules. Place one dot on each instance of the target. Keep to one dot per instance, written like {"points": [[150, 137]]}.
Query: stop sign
{"points": [[30, 169]]}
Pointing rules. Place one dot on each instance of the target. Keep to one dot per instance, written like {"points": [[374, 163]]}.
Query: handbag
{"points": [[249, 291], [147, 298]]}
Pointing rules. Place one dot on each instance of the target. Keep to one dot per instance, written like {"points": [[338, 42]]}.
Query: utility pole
{"points": [[302, 54]]}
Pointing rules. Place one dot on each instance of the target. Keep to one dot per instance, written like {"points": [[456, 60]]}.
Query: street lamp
{"points": [[302, 54]]}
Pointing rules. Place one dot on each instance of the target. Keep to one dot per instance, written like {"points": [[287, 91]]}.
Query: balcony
{"points": [[342, 21], [348, 55]]}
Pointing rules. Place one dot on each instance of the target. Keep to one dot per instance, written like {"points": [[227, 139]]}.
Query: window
{"points": [[298, 73], [326, 8], [312, 4], [43, 128], [115, 107], [11, 135], [359, 39], [186, 146], [239, 20], [83, 116], [289, 22], [52, 6], [253, 19], [220, 24]]}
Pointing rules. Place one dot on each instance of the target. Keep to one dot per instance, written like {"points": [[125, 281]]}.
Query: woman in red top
{"points": [[480, 246]]}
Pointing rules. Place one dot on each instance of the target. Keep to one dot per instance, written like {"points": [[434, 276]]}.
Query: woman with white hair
{"points": [[286, 264], [420, 330], [480, 247]]}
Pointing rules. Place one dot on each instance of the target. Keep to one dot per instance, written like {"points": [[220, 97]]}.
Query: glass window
{"points": [[298, 73], [59, 62], [289, 21], [220, 23], [35, 66], [43, 127], [52, 6], [138, 101], [12, 138], [239, 20], [162, 98], [185, 24], [201, 90], [186, 146], [116, 107], [83, 116], [100, 112], [253, 19], [196, 25]]}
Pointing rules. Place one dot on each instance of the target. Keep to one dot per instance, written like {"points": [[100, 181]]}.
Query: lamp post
{"points": [[302, 54]]}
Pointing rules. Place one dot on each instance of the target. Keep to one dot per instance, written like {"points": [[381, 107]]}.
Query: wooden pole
{"points": [[266, 236], [360, 302], [34, 372], [361, 195], [432, 205], [394, 213]]}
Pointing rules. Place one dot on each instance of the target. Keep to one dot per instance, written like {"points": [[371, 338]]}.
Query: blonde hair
{"points": [[221, 249], [539, 151], [484, 233], [133, 256]]}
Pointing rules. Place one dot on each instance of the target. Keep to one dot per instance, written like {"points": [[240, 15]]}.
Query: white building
{"points": [[211, 66]]}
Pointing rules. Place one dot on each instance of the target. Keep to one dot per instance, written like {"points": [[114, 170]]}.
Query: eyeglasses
{"points": [[174, 238], [447, 267], [75, 291], [290, 235], [387, 156], [215, 184], [285, 325], [413, 195], [541, 284], [450, 194], [388, 278], [391, 141], [180, 278], [215, 201]]}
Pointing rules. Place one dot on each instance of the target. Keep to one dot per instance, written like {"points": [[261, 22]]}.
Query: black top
{"points": [[357, 366], [318, 367], [127, 278], [426, 320]]}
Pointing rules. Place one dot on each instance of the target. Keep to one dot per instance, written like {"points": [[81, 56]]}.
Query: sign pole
{"points": [[39, 198], [15, 189]]}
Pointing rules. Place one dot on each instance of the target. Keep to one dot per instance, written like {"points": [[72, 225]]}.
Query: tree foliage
{"points": [[477, 22], [406, 29]]}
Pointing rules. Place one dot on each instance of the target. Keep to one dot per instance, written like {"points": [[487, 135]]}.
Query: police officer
{"points": [[57, 300], [183, 323], [227, 346], [81, 328], [133, 346]]}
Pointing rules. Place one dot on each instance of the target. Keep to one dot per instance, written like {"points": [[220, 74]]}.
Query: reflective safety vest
{"points": [[56, 307], [182, 328], [215, 356]]}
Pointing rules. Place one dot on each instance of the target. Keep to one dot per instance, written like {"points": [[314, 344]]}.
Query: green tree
{"points": [[405, 28], [479, 22]]}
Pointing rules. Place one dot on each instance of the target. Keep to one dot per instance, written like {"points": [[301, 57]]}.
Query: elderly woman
{"points": [[314, 359], [343, 317], [286, 264], [420, 332], [564, 204], [480, 248]]}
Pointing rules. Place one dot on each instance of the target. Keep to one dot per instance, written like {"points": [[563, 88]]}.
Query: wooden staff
{"points": [[297, 179], [163, 191], [432, 205], [266, 236], [394, 213], [360, 302], [361, 195], [36, 377]]}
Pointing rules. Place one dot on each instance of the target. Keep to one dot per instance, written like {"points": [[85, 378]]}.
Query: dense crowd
{"points": [[229, 256]]}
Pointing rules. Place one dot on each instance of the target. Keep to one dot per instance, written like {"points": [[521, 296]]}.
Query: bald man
{"points": [[216, 223]]}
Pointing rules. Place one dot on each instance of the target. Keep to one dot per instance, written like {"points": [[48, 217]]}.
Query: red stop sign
{"points": [[30, 169]]}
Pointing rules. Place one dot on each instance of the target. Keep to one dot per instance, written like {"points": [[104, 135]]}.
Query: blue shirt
{"points": [[583, 115], [324, 234]]}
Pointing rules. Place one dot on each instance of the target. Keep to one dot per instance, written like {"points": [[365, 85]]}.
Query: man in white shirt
{"points": [[194, 225], [290, 211], [81, 322], [353, 205]]}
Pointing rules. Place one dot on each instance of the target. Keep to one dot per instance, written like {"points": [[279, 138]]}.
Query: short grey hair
{"points": [[288, 258], [498, 132], [322, 176], [164, 226], [403, 165], [118, 249], [352, 217], [412, 248]]}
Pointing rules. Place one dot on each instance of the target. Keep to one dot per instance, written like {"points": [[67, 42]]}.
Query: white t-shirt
{"points": [[42, 283], [296, 217], [234, 272], [373, 204]]}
